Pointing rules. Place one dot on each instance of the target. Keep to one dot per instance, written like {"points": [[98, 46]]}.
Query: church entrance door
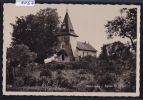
{"points": [[63, 57]]}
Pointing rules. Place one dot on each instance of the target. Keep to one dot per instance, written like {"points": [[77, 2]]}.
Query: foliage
{"points": [[124, 25], [46, 73], [55, 66], [87, 62], [115, 72], [108, 80], [20, 54], [62, 65], [18, 58], [19, 81], [130, 82], [118, 62], [30, 80], [114, 51], [37, 32]]}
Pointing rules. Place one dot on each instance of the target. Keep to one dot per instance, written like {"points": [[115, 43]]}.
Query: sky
{"points": [[88, 20]]}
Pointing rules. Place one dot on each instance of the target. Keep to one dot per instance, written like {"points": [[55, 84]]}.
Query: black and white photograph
{"points": [[71, 50]]}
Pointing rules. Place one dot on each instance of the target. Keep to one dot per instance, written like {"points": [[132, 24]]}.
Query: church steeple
{"points": [[66, 27]]}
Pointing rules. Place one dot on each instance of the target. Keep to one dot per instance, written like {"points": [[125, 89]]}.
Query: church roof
{"points": [[85, 46], [66, 27]]}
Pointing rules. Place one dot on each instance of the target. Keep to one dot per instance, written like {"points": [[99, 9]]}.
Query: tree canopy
{"points": [[37, 32], [116, 50], [20, 54], [124, 25]]}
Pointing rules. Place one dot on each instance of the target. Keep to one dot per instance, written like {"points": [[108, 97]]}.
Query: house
{"points": [[68, 48]]}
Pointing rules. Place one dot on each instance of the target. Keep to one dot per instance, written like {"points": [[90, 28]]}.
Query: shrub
{"points": [[107, 81], [19, 82], [130, 82], [88, 62], [63, 81], [46, 73], [60, 66], [82, 71], [81, 86], [55, 66], [30, 80], [18, 57], [85, 82], [64, 78], [72, 65], [43, 81]]}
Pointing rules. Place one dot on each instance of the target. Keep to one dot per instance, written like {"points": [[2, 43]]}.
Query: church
{"points": [[68, 48]]}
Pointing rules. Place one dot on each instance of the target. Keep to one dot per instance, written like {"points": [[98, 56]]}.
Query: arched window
{"points": [[63, 45], [64, 27]]}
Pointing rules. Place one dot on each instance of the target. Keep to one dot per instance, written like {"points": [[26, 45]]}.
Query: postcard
{"points": [[71, 50]]}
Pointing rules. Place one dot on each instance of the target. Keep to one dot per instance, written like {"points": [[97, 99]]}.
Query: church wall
{"points": [[66, 59], [92, 53], [83, 53], [70, 48], [67, 48], [73, 43]]}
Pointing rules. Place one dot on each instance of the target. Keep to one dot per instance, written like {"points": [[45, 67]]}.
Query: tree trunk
{"points": [[132, 43], [134, 48]]}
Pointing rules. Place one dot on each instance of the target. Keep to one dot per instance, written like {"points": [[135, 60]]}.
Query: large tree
{"points": [[124, 25], [115, 51], [18, 56], [117, 65], [37, 32]]}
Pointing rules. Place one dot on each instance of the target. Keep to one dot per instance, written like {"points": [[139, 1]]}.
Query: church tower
{"points": [[66, 46]]}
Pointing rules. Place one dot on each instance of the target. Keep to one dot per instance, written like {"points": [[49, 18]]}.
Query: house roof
{"points": [[85, 46], [66, 27]]}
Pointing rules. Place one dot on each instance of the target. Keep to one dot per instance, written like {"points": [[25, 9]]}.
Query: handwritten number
{"points": [[27, 2], [32, 2], [22, 2]]}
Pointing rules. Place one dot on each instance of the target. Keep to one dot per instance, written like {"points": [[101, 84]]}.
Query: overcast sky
{"points": [[88, 20]]}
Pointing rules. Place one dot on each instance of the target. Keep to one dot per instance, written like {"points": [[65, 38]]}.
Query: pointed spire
{"points": [[66, 27], [66, 10]]}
